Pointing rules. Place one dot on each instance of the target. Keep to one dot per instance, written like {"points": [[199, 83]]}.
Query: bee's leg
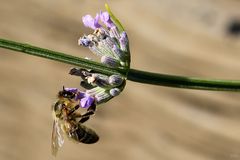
{"points": [[91, 110], [76, 115], [83, 119]]}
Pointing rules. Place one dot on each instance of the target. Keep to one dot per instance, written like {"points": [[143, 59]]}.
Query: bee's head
{"points": [[66, 94]]}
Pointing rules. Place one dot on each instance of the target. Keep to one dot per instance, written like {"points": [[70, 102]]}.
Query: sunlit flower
{"points": [[106, 41], [98, 86], [110, 43]]}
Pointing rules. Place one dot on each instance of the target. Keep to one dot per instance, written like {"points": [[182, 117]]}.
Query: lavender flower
{"points": [[90, 22], [107, 41], [101, 84], [111, 44]]}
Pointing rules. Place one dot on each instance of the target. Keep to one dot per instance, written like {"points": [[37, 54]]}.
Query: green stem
{"points": [[183, 82], [133, 75], [58, 56]]}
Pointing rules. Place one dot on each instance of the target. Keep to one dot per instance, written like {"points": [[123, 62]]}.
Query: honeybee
{"points": [[66, 122]]}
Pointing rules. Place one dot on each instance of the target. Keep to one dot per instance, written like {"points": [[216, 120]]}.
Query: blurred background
{"points": [[184, 37]]}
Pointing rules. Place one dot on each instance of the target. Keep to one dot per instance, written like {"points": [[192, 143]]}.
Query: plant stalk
{"points": [[132, 75]]}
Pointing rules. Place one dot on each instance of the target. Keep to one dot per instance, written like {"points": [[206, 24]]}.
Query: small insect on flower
{"points": [[69, 122], [110, 42]]}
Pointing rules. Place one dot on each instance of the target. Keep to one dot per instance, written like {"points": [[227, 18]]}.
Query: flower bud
{"points": [[115, 80], [124, 41], [118, 53], [114, 33], [100, 80], [114, 92], [93, 91], [102, 96], [109, 61]]}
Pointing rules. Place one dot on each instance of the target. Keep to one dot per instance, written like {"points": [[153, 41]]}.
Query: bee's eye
{"points": [[67, 94]]}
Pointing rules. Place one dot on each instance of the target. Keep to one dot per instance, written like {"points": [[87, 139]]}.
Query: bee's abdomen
{"points": [[86, 135]]}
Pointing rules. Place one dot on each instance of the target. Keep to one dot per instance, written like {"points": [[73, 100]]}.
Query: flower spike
{"points": [[109, 40]]}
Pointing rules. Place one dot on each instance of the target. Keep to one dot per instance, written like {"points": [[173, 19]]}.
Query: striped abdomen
{"points": [[84, 134]]}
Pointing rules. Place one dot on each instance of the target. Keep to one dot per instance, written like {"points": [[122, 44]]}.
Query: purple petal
{"points": [[90, 22], [80, 95], [87, 20], [86, 101], [74, 90], [105, 18], [96, 20]]}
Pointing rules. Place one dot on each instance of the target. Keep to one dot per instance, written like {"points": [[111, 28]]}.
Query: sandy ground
{"points": [[187, 37]]}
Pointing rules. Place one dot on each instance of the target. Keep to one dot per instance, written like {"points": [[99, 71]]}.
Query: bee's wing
{"points": [[57, 137]]}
